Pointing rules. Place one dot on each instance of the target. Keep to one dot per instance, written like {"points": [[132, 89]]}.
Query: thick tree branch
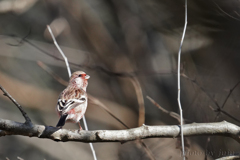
{"points": [[224, 128]]}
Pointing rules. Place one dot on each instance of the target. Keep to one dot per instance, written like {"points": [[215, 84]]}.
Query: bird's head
{"points": [[79, 79]]}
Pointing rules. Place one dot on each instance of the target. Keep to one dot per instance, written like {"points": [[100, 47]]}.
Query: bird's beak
{"points": [[87, 77]]}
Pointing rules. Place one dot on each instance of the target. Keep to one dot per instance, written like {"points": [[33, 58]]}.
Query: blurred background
{"points": [[129, 48]]}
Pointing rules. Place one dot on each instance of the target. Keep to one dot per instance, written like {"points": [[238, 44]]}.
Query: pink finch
{"points": [[72, 102]]}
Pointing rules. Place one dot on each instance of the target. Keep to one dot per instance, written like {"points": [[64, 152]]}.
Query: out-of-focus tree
{"points": [[121, 44]]}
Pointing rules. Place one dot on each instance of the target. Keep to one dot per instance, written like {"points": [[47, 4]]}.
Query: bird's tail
{"points": [[62, 120]]}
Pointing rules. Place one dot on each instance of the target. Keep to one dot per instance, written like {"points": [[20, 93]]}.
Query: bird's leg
{"points": [[80, 128]]}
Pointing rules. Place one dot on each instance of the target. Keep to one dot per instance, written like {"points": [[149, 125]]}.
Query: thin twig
{"points": [[179, 62], [60, 50], [206, 147], [28, 120], [225, 12], [203, 90], [141, 115], [95, 101], [172, 114], [69, 73], [175, 116], [219, 109], [138, 90], [19, 158], [147, 150], [230, 92], [21, 40], [229, 115], [96, 67], [49, 71]]}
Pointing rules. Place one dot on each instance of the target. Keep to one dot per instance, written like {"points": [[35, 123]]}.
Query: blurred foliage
{"points": [[114, 41]]}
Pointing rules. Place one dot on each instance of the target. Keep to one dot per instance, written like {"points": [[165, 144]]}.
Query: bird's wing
{"points": [[63, 106]]}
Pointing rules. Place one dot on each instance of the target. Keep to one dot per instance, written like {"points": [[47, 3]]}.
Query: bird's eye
{"points": [[83, 99], [79, 75]]}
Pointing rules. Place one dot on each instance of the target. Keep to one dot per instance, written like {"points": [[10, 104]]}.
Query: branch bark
{"points": [[223, 128]]}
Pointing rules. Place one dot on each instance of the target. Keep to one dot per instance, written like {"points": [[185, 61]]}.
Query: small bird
{"points": [[72, 102]]}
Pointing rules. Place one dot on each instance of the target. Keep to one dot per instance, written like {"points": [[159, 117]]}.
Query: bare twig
{"points": [[146, 149], [49, 71], [225, 12], [223, 128], [219, 109], [69, 73], [95, 101], [19, 158], [138, 90], [172, 114], [175, 116], [229, 115], [28, 120], [179, 62], [230, 92], [206, 147], [21, 40], [60, 50], [93, 67], [203, 90]]}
